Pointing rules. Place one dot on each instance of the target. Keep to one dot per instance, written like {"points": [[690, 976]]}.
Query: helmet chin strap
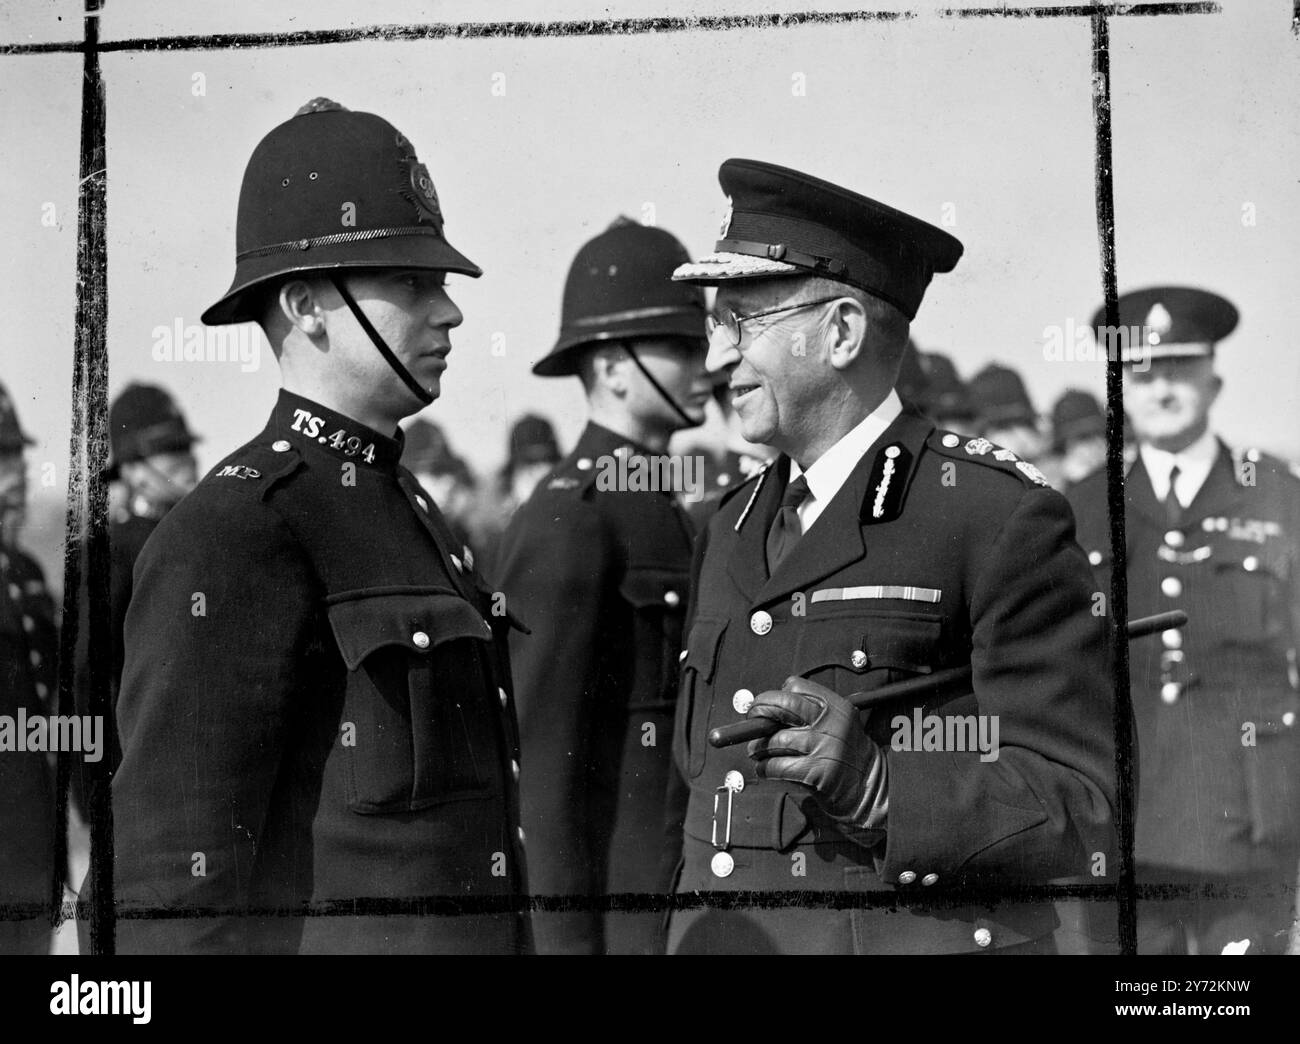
{"points": [[687, 420], [419, 392]]}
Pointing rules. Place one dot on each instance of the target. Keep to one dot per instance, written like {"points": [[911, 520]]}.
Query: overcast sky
{"points": [[984, 125]]}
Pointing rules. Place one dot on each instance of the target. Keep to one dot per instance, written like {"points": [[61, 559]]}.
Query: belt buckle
{"points": [[726, 841]]}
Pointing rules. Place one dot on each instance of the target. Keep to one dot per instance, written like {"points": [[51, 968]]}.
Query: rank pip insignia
{"points": [[1004, 455], [978, 447], [1031, 473]]}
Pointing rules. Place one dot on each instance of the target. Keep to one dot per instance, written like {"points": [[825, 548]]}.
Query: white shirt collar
{"points": [[1194, 464], [833, 468]]}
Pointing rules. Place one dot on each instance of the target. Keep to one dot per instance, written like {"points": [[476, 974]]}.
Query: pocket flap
{"points": [[644, 588], [861, 644], [419, 622], [702, 646]]}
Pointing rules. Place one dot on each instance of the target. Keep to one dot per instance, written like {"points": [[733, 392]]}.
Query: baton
{"points": [[924, 686]]}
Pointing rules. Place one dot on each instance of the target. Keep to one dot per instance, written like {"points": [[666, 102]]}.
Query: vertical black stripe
{"points": [[1123, 721]]}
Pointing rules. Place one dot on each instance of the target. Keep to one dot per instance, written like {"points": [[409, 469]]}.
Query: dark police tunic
{"points": [[938, 551], [601, 577], [1216, 704], [28, 681], [315, 707]]}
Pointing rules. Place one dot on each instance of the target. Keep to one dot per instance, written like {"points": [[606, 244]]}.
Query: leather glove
{"points": [[824, 746]]}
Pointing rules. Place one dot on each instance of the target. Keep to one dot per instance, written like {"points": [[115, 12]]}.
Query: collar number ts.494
{"points": [[312, 426]]}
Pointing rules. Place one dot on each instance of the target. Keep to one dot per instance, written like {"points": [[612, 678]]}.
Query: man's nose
{"points": [[445, 312], [722, 353]]}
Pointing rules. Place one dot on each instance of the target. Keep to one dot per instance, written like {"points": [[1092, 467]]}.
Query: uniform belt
{"points": [[761, 816]]}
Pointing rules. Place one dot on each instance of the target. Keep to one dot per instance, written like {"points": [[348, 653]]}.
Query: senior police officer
{"points": [[875, 548], [28, 674], [599, 566], [316, 705], [1215, 530]]}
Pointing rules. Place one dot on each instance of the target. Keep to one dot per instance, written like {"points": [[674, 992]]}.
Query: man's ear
{"points": [[299, 302], [610, 364], [845, 332]]}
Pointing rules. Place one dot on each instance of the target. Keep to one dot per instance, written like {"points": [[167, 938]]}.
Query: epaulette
{"points": [[257, 466], [572, 473], [1244, 456], [981, 451]]}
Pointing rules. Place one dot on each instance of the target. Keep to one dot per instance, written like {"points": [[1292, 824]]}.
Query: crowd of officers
{"points": [[345, 669]]}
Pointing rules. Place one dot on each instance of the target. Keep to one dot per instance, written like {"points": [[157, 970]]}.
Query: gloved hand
{"points": [[825, 747]]}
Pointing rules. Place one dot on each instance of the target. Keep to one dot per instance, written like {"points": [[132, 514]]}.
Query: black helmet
{"points": [[1000, 397], [333, 189], [620, 287], [144, 420], [1077, 414]]}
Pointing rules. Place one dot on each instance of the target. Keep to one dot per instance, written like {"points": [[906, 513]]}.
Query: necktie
{"points": [[1173, 509], [786, 530]]}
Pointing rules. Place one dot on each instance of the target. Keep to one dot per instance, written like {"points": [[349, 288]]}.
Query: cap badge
{"points": [[1158, 323], [726, 221], [422, 192]]}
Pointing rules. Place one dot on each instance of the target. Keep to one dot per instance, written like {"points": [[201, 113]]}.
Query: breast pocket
{"points": [[657, 598], [417, 728], [855, 650], [696, 691]]}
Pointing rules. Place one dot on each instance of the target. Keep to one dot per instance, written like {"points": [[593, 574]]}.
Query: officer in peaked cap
{"points": [[308, 648], [850, 562], [1006, 414], [598, 563], [945, 398], [1213, 529], [28, 673]]}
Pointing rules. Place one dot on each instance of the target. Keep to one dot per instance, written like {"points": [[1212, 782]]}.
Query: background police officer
{"points": [[852, 562], [315, 704], [28, 675], [1216, 531], [599, 571]]}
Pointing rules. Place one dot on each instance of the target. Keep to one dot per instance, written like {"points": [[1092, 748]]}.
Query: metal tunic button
{"points": [[280, 446], [1250, 563], [15, 592], [420, 639], [722, 864], [1173, 638], [29, 624], [858, 659], [1288, 719], [514, 769], [1174, 538], [734, 781], [1170, 691], [522, 839], [42, 690], [35, 658], [584, 464], [760, 622], [1171, 586], [742, 701], [906, 877], [502, 694], [424, 506], [672, 598], [983, 937], [930, 879], [1094, 558], [951, 440]]}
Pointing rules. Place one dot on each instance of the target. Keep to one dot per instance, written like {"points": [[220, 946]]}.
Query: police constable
{"points": [[944, 397], [1078, 435], [316, 703], [151, 454], [1214, 530], [598, 566], [1007, 416], [851, 562], [28, 675]]}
